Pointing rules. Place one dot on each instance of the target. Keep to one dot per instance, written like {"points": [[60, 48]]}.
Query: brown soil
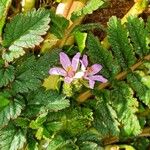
{"points": [[116, 8]]}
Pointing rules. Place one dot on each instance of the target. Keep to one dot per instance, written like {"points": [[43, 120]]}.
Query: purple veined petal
{"points": [[84, 62], [57, 71], [79, 75], [95, 69], [75, 61], [68, 79], [91, 84], [64, 60], [98, 78]]}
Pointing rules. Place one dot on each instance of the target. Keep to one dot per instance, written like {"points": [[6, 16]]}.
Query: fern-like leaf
{"points": [[138, 35], [11, 111], [121, 47], [58, 25], [103, 57], [32, 71], [142, 91], [25, 31], [125, 106], [91, 6], [50, 100], [7, 75], [12, 138], [105, 118]]}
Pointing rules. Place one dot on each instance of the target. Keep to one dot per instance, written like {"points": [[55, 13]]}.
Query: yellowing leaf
{"points": [[52, 82]]}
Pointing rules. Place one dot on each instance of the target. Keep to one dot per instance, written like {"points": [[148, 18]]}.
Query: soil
{"points": [[115, 8]]}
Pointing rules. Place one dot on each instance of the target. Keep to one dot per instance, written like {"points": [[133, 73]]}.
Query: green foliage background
{"points": [[33, 118]]}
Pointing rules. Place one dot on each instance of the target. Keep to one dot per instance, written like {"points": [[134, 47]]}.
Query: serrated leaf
{"points": [[58, 25], [7, 75], [31, 71], [57, 143], [125, 106], [25, 31], [4, 101], [35, 124], [105, 117], [88, 27], [148, 24], [100, 55], [138, 34], [80, 40], [4, 5], [89, 146], [91, 6], [142, 91], [11, 111], [12, 138], [25, 82], [51, 100], [77, 120], [118, 38]]}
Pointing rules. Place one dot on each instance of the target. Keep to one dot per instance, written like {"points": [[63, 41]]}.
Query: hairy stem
{"points": [[136, 9], [84, 96]]}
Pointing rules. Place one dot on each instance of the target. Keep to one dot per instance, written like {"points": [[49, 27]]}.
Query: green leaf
{"points": [[138, 34], [148, 24], [57, 143], [50, 100], [11, 111], [4, 6], [78, 120], [12, 138], [125, 106], [26, 82], [22, 122], [4, 101], [7, 75], [89, 146], [102, 56], [80, 40], [105, 117], [25, 31], [142, 91], [118, 38], [35, 124], [30, 71], [91, 6], [58, 25]]}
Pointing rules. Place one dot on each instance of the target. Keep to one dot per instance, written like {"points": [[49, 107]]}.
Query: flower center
{"points": [[89, 70], [70, 71]]}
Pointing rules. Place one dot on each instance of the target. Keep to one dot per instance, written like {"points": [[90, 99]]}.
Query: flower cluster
{"points": [[78, 68]]}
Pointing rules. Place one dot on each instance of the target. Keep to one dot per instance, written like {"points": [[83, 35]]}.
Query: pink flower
{"points": [[90, 72], [69, 68]]}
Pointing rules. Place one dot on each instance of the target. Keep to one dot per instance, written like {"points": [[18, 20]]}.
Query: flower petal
{"points": [[91, 84], [68, 79], [95, 69], [84, 62], [79, 75], [75, 61], [98, 78], [64, 60], [57, 71]]}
